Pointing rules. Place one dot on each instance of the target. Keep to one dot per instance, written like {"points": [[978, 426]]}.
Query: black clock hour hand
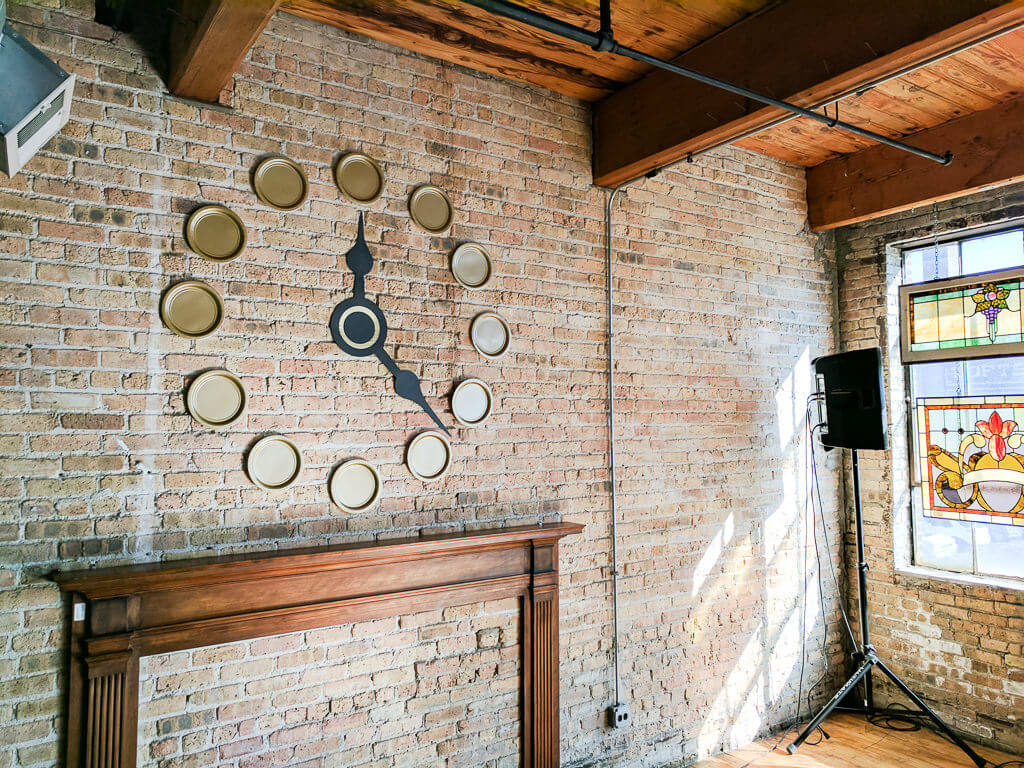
{"points": [[407, 385], [359, 260]]}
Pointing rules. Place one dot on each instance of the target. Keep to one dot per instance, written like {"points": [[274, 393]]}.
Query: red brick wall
{"points": [[957, 643], [723, 299]]}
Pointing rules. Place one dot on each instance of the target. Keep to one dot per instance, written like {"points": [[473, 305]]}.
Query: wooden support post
{"points": [[209, 40]]}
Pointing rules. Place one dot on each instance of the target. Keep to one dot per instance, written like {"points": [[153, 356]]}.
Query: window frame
{"points": [[913, 564], [908, 291]]}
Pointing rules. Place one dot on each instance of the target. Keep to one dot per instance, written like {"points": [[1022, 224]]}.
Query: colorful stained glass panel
{"points": [[970, 458], [973, 316]]}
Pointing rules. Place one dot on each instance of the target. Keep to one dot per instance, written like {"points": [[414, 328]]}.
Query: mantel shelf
{"points": [[127, 612], [127, 580]]}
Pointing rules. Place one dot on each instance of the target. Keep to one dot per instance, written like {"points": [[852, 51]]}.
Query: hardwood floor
{"points": [[855, 743]]}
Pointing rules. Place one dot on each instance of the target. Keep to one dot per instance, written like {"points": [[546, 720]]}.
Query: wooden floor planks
{"points": [[856, 743]]}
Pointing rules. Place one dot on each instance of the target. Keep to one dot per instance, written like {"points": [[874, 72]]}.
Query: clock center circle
{"points": [[359, 327]]}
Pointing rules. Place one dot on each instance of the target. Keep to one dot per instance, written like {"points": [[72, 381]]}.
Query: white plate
{"points": [[428, 456], [490, 334], [471, 265], [355, 485], [274, 463], [216, 398], [471, 402]]}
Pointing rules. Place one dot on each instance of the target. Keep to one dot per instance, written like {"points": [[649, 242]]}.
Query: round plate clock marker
{"points": [[490, 334], [359, 328], [216, 233], [192, 309], [280, 183], [471, 402], [274, 463], [428, 456], [355, 485]]}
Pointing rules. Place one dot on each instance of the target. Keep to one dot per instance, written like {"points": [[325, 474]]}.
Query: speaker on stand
{"points": [[851, 408]]}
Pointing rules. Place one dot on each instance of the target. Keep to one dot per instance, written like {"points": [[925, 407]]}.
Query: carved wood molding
{"points": [[121, 614]]}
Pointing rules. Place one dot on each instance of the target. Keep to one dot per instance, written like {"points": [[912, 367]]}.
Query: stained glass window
{"points": [[954, 389], [971, 464], [957, 318]]}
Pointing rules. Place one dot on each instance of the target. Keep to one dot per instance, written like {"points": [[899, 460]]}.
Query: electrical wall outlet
{"points": [[618, 715]]}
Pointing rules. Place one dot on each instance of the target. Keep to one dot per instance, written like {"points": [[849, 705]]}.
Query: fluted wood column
{"points": [[103, 690], [540, 709], [111, 706]]}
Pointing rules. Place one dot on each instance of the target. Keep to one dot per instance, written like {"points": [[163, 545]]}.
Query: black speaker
{"points": [[854, 413]]}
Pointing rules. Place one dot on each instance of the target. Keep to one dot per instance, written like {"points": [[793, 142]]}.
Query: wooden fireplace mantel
{"points": [[121, 614]]}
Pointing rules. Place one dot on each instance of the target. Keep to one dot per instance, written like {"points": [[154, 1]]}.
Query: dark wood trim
{"points": [[880, 180], [140, 610], [806, 51], [209, 39]]}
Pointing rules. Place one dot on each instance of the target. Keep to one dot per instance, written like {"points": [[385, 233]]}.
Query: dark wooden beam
{"points": [[806, 51], [209, 40], [988, 148]]}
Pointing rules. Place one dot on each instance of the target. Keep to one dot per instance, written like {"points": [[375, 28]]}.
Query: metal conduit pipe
{"points": [[608, 210], [609, 220], [604, 42]]}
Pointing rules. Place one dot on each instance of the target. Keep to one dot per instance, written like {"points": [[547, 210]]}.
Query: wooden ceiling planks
{"points": [[804, 50], [460, 33], [973, 80]]}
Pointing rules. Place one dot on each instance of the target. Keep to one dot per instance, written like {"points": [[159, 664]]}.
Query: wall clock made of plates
{"points": [[217, 398]]}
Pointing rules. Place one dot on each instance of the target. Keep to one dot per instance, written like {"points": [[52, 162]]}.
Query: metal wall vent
{"points": [[35, 98]]}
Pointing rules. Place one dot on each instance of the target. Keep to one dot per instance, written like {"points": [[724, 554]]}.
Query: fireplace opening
{"points": [[439, 687]]}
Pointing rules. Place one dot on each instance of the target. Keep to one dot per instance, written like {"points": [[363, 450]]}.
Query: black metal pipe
{"points": [[602, 42]]}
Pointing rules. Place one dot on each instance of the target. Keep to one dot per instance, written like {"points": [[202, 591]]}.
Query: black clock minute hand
{"points": [[407, 385]]}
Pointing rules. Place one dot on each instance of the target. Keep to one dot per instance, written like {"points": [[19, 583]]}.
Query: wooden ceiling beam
{"points": [[989, 151], [806, 51], [209, 40]]}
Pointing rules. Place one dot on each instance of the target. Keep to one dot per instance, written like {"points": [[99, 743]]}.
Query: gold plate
{"points": [[274, 463], [216, 398], [490, 334], [192, 309], [428, 456], [280, 183], [355, 485], [471, 265], [215, 233], [359, 177], [471, 402], [431, 209]]}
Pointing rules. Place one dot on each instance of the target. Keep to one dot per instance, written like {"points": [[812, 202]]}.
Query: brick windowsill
{"points": [[913, 575]]}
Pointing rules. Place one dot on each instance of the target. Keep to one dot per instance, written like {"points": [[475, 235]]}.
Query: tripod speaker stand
{"points": [[849, 385], [866, 658]]}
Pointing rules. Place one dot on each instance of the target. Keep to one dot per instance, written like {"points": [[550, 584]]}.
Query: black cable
{"points": [[906, 720], [821, 588], [824, 530]]}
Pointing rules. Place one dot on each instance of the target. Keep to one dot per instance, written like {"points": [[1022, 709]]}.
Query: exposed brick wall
{"points": [[958, 644], [723, 299]]}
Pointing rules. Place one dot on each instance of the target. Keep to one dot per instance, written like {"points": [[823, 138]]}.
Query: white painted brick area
{"points": [[958, 645], [723, 297]]}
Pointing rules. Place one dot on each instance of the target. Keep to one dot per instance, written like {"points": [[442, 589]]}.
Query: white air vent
{"points": [[35, 99]]}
